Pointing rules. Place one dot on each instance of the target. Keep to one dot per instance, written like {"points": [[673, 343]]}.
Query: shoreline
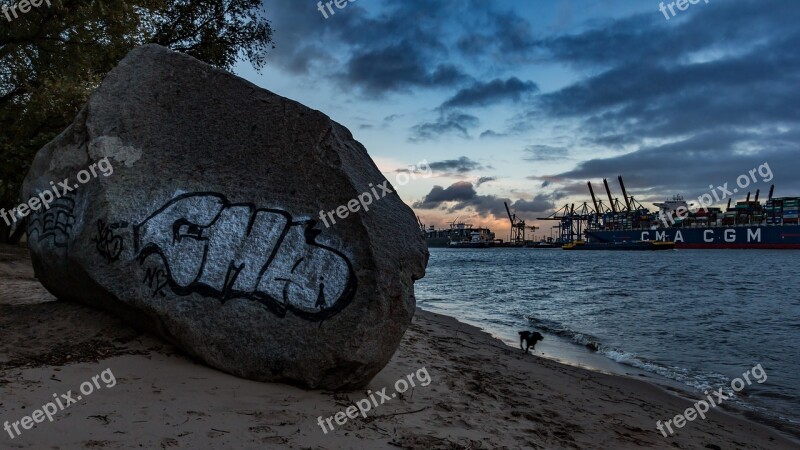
{"points": [[482, 393], [558, 348], [575, 355]]}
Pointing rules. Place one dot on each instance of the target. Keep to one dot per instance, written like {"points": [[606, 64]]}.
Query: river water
{"points": [[698, 317]]}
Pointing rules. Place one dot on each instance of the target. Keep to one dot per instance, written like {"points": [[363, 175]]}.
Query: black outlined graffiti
{"points": [[55, 222], [156, 279], [237, 251], [108, 244]]}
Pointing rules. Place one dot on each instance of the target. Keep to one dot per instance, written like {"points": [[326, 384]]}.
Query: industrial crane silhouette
{"points": [[518, 227]]}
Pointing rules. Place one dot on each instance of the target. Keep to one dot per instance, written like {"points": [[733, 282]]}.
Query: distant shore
{"points": [[482, 393]]}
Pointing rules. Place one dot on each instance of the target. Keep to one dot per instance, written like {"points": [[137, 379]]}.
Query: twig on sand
{"points": [[379, 429], [383, 416]]}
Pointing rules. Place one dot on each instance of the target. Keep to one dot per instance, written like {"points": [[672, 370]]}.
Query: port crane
{"points": [[572, 222], [518, 227]]}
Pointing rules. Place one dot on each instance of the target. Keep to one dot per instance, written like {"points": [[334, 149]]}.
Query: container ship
{"points": [[459, 235], [463, 235], [745, 225]]}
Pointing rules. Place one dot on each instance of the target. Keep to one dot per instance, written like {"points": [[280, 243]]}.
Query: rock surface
{"points": [[203, 224]]}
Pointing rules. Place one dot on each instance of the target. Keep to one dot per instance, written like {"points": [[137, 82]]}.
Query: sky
{"points": [[525, 101]]}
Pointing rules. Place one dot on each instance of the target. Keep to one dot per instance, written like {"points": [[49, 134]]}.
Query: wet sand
{"points": [[482, 393]]}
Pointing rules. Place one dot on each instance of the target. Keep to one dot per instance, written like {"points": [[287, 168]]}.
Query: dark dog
{"points": [[530, 338]]}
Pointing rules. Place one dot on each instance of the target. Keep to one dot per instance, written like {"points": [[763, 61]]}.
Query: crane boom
{"points": [[610, 200], [624, 193], [509, 213], [594, 199]]}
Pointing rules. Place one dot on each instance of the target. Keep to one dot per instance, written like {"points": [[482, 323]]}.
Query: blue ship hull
{"points": [[755, 236]]}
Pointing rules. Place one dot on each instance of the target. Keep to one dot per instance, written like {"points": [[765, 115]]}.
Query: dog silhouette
{"points": [[530, 338]]}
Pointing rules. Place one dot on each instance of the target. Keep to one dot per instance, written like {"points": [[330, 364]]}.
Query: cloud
{"points": [[451, 167], [458, 191], [495, 91], [483, 180], [692, 164], [489, 134], [452, 123], [461, 196], [506, 35], [393, 51], [648, 81], [680, 103], [545, 153], [461, 165], [486, 205], [690, 102], [538, 204], [395, 46], [722, 30], [398, 67]]}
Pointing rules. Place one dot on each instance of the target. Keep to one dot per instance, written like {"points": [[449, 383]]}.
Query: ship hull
{"points": [[732, 237], [621, 246], [468, 245]]}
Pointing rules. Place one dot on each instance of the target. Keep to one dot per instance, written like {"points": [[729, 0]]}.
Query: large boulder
{"points": [[193, 208]]}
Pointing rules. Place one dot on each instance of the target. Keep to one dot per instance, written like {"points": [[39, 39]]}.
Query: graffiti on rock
{"points": [[107, 242], [228, 251], [54, 223]]}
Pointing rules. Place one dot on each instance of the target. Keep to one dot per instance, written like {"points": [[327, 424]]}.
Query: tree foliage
{"points": [[52, 58]]}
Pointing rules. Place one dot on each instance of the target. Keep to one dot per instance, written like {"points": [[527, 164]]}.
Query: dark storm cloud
{"points": [[611, 140], [483, 180], [545, 153], [723, 27], [453, 124], [488, 134], [486, 205], [705, 93], [504, 35], [462, 195], [294, 22], [756, 88], [411, 44], [399, 50], [495, 91], [654, 90], [458, 191], [399, 67], [695, 163], [452, 167], [691, 101], [540, 203], [564, 187], [460, 165]]}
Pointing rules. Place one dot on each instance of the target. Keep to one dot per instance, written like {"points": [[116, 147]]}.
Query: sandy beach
{"points": [[479, 393]]}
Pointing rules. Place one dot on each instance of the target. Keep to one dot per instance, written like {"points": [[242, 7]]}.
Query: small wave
{"points": [[680, 374], [778, 395], [697, 380], [618, 294]]}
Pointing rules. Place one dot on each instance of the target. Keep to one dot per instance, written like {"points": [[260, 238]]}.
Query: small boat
{"points": [[628, 245], [476, 240], [542, 244], [467, 244]]}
